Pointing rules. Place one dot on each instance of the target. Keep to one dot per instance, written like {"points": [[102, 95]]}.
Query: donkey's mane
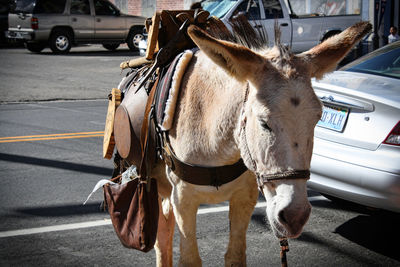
{"points": [[245, 34], [242, 32]]}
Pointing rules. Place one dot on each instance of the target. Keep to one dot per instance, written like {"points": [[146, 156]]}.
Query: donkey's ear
{"points": [[324, 57], [237, 60]]}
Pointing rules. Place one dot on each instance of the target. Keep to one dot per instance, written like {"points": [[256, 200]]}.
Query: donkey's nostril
{"points": [[282, 217]]}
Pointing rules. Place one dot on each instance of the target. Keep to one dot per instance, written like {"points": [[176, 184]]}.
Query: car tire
{"points": [[35, 47], [111, 47], [60, 41], [134, 37]]}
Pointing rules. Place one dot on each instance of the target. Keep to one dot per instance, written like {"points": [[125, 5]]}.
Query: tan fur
{"points": [[324, 57], [237, 60], [207, 131]]}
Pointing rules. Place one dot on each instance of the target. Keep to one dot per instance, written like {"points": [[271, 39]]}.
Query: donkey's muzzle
{"points": [[287, 175]]}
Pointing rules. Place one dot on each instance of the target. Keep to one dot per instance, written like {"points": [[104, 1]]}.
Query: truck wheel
{"points": [[111, 47], [134, 37], [60, 42], [35, 47]]}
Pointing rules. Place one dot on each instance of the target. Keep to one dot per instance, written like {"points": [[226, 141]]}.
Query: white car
{"points": [[357, 141]]}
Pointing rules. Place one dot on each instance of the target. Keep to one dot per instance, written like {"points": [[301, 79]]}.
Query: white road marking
{"points": [[61, 227], [74, 226]]}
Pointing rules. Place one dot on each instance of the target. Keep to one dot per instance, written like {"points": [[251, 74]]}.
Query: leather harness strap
{"points": [[145, 134], [202, 175]]}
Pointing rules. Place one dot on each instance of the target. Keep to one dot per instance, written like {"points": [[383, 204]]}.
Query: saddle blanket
{"points": [[168, 89]]}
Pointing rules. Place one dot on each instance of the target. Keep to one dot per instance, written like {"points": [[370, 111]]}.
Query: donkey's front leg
{"points": [[165, 234], [241, 206], [185, 209]]}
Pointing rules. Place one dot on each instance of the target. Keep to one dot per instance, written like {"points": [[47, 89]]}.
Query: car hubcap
{"points": [[136, 40], [62, 43]]}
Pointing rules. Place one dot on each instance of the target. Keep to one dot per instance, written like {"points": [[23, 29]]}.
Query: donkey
{"points": [[237, 103]]}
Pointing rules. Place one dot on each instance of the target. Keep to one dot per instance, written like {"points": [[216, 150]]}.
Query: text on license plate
{"points": [[16, 35], [333, 118]]}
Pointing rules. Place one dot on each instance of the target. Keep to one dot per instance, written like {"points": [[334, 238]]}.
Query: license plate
{"points": [[333, 118], [16, 35]]}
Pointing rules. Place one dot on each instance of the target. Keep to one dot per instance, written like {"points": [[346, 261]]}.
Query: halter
{"points": [[262, 178]]}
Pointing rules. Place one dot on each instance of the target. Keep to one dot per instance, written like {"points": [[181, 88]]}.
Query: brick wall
{"points": [[169, 4], [147, 7], [135, 7]]}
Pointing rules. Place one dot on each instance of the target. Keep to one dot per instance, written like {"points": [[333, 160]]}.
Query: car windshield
{"points": [[218, 8], [382, 62]]}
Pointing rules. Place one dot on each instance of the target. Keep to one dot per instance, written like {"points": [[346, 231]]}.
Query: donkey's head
{"points": [[280, 110]]}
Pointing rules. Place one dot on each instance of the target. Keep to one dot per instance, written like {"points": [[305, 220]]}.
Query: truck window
{"points": [[218, 8], [250, 8], [325, 7], [80, 7], [49, 6], [22, 6], [272, 9], [104, 8]]}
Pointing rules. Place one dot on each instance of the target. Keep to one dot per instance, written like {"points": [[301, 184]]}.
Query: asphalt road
{"points": [[44, 182], [87, 72]]}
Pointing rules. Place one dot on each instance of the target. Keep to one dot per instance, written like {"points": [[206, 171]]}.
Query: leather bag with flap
{"points": [[134, 212]]}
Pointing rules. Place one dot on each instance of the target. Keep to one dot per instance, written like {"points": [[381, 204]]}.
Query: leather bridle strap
{"points": [[295, 174]]}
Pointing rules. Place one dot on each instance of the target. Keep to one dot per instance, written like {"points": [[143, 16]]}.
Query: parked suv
{"points": [[60, 24]]}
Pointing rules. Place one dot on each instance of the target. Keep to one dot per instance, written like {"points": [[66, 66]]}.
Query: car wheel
{"points": [[60, 42], [134, 38], [111, 47], [35, 47]]}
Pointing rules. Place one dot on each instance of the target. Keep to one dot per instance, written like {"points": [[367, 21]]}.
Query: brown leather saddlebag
{"points": [[133, 206], [134, 212]]}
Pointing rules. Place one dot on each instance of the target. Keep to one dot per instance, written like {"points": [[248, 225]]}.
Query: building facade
{"points": [[381, 13]]}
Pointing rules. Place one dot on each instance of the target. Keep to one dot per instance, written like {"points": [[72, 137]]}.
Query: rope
{"points": [[243, 128], [284, 248]]}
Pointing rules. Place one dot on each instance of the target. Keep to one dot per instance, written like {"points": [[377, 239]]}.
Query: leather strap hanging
{"points": [[145, 133]]}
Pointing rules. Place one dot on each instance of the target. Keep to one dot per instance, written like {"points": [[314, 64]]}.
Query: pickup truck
{"points": [[60, 24], [299, 32]]}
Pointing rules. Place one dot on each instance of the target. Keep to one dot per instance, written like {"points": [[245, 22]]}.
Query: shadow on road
{"points": [[62, 210], [312, 238], [378, 232], [97, 53], [84, 51], [56, 164], [375, 230]]}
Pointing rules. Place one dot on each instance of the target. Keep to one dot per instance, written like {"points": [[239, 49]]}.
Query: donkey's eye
{"points": [[265, 126]]}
